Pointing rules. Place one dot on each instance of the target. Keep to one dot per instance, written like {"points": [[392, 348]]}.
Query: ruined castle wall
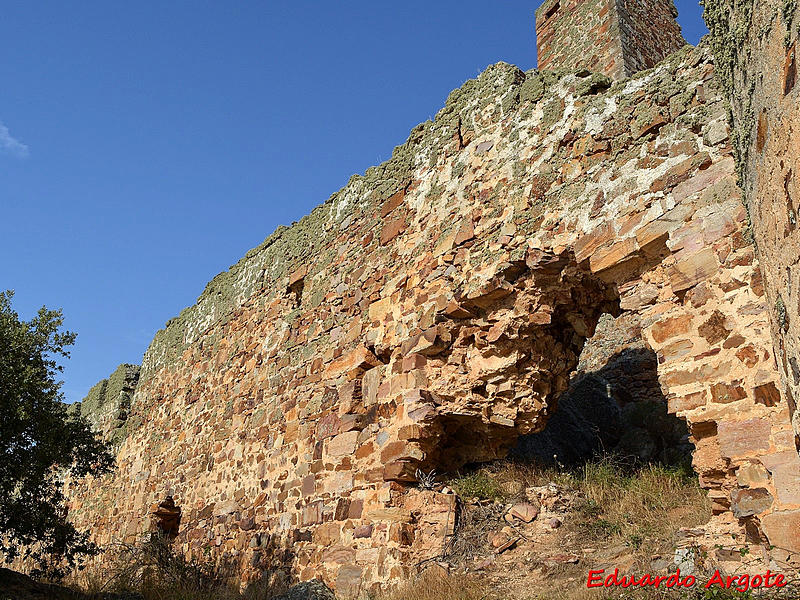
{"points": [[649, 32], [755, 45], [615, 37], [108, 402], [580, 33], [432, 311]]}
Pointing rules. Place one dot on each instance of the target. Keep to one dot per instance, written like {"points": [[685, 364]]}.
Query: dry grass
{"points": [[433, 584], [645, 506], [638, 505], [153, 571]]}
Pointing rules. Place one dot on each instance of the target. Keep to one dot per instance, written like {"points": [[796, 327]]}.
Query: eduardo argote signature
{"points": [[742, 583]]}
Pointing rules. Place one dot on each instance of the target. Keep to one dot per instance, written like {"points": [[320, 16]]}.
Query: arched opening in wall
{"points": [[614, 407], [549, 351], [546, 353]]}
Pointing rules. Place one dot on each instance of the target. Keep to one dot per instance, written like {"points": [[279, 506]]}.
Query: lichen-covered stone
{"points": [[289, 411], [755, 48], [108, 403]]}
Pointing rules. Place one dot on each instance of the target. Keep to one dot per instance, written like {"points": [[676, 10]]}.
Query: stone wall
{"points": [[434, 309], [108, 403], [649, 32], [579, 33], [615, 37], [755, 45]]}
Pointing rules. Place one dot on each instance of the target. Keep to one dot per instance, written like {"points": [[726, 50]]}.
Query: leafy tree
{"points": [[40, 443]]}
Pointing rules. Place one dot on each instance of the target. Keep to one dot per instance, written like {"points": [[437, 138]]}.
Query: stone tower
{"points": [[615, 37]]}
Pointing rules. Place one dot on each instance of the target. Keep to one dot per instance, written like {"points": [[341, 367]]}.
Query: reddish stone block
{"points": [[465, 233], [328, 426], [413, 361], [309, 485], [724, 393], [767, 394], [743, 438], [693, 269], [393, 202], [783, 529], [670, 327], [342, 509], [363, 531], [355, 509], [392, 229], [400, 471]]}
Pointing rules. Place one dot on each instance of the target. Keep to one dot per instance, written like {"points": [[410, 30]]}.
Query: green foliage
{"points": [[718, 593], [477, 485], [40, 441]]}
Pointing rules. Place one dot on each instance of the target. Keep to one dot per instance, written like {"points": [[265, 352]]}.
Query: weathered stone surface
{"points": [[746, 503], [524, 512], [783, 529], [614, 38], [107, 405], [742, 438], [755, 45], [431, 331]]}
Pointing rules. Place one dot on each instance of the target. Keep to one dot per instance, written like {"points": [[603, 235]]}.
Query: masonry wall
{"points": [[615, 37], [580, 33], [649, 32], [431, 311], [755, 45], [107, 405]]}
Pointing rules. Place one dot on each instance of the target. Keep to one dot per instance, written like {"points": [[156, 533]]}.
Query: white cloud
{"points": [[11, 145]]}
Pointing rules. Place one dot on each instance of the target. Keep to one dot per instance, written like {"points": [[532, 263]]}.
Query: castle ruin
{"points": [[430, 312]]}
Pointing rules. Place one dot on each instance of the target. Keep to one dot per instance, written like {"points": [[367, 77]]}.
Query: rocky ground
{"points": [[540, 541]]}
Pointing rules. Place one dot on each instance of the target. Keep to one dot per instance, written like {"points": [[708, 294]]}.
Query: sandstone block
{"points": [[392, 229], [752, 475], [524, 512], [693, 269], [353, 363], [783, 529], [605, 258], [742, 438], [670, 327], [785, 470], [343, 444], [749, 502]]}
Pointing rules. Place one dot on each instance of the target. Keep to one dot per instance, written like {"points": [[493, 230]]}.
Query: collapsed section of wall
{"points": [[433, 310], [108, 403]]}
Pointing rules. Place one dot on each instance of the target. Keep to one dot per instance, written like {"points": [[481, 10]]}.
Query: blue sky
{"points": [[145, 147]]}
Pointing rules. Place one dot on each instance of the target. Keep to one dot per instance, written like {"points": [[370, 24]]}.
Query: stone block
{"points": [[353, 363], [611, 256], [392, 229], [670, 327], [767, 394], [752, 475], [343, 444], [749, 502], [693, 269], [783, 529], [743, 438], [785, 470]]}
